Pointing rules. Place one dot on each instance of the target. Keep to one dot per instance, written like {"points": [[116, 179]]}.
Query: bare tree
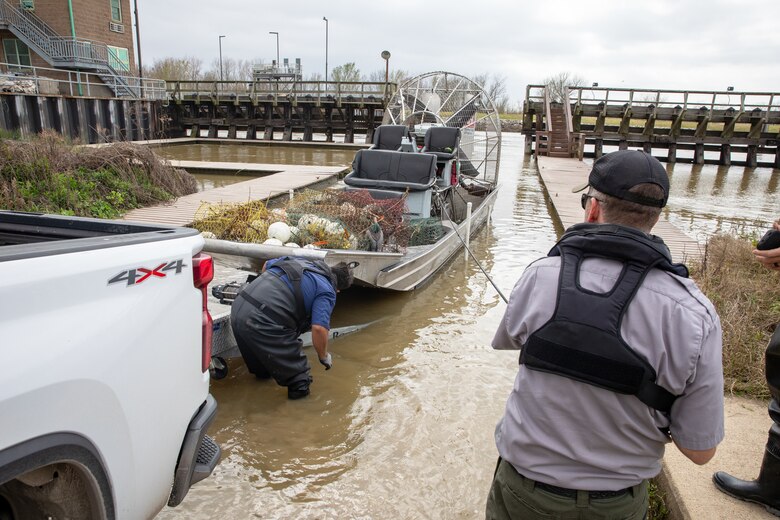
{"points": [[497, 92], [232, 70], [244, 70], [649, 98], [394, 76], [170, 69], [495, 88], [557, 83]]}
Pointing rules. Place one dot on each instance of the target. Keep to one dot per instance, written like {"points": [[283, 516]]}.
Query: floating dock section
{"points": [[273, 180]]}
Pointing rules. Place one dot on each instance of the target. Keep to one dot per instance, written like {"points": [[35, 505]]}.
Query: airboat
{"points": [[436, 156]]}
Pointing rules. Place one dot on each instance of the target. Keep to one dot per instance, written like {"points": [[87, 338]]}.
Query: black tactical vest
{"points": [[582, 340]]}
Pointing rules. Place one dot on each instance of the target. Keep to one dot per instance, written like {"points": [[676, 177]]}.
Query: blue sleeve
{"points": [[322, 307]]}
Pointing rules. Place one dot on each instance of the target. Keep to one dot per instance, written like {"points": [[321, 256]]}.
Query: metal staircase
{"points": [[63, 52]]}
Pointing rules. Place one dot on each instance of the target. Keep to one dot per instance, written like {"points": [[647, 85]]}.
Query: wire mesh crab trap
{"points": [[328, 219]]}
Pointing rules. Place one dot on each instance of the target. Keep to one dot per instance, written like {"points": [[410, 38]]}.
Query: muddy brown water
{"points": [[250, 153], [259, 153], [402, 426]]}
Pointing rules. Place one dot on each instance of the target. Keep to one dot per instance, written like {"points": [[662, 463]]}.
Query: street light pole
{"points": [[326, 49], [277, 48], [138, 43], [386, 57], [220, 56]]}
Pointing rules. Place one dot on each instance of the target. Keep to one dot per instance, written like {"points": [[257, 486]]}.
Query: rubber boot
{"points": [[765, 490], [298, 390]]}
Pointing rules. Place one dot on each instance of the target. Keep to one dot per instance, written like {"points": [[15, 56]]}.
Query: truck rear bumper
{"points": [[199, 453]]}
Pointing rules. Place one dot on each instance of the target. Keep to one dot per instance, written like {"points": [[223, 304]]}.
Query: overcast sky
{"points": [[677, 44]]}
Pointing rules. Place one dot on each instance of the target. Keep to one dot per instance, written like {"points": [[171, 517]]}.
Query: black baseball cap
{"points": [[617, 172]]}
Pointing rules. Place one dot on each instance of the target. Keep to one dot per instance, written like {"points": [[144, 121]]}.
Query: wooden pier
{"points": [[275, 180], [713, 127], [272, 110], [560, 175]]}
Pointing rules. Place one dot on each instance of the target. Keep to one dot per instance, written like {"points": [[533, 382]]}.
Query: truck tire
{"points": [[58, 476]]}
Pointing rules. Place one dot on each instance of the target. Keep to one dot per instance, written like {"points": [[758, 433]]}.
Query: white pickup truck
{"points": [[104, 392]]}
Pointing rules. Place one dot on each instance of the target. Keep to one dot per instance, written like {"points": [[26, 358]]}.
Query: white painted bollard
{"points": [[468, 228], [292, 193]]}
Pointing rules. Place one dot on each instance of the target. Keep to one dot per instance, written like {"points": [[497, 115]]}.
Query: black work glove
{"points": [[327, 362]]}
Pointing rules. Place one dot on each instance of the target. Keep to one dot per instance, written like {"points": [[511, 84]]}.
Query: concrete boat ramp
{"points": [[689, 492], [271, 180]]}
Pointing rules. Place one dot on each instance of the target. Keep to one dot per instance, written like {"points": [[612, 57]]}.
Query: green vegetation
{"points": [[745, 295], [47, 175], [747, 300], [657, 509]]}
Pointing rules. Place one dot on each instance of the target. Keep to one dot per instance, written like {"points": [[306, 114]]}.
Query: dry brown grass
{"points": [[747, 298], [47, 174]]}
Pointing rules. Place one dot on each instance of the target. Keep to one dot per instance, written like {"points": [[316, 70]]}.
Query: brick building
{"points": [[92, 36]]}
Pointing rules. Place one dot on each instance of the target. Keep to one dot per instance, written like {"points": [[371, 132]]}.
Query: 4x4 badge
{"points": [[141, 274]]}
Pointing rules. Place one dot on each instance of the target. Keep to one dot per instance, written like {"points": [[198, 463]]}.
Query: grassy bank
{"points": [[48, 175], [747, 299]]}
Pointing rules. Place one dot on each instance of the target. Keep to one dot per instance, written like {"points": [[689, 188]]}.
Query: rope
{"points": [[455, 228]]}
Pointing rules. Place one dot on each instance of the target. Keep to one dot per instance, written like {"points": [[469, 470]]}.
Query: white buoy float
{"points": [[280, 231]]}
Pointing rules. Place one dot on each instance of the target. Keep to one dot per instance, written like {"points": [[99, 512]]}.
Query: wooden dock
{"points": [[280, 179], [270, 109], [560, 175], [700, 127]]}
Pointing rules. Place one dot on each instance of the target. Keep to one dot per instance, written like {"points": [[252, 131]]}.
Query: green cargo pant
{"points": [[515, 497]]}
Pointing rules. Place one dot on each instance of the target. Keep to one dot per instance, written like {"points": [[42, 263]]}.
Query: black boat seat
{"points": [[385, 169], [438, 139], [389, 137]]}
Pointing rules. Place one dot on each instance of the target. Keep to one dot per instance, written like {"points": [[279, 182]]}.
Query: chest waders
{"points": [[294, 269], [277, 302], [582, 340], [267, 320]]}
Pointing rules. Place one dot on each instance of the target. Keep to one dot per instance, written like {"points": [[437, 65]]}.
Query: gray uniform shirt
{"points": [[570, 434]]}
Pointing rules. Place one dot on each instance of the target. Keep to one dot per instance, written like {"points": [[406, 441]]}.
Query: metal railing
{"points": [[543, 136], [62, 50], [664, 98], [28, 24], [685, 99], [265, 90], [41, 80], [576, 139]]}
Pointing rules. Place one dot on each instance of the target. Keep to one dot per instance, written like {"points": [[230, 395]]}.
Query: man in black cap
{"points": [[620, 355], [291, 296]]}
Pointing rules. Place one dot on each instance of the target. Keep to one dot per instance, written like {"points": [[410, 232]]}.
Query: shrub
{"points": [[48, 175], [746, 297]]}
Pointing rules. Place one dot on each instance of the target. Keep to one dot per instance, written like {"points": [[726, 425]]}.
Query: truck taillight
{"points": [[202, 274], [202, 271]]}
